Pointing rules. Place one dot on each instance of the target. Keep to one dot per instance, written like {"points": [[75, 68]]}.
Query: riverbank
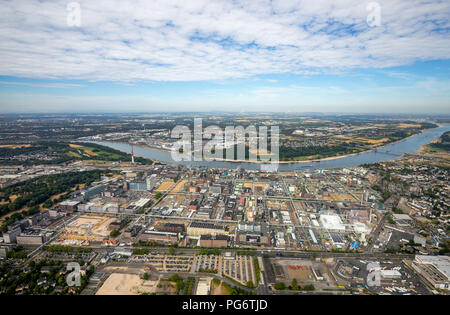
{"points": [[330, 158], [386, 152]]}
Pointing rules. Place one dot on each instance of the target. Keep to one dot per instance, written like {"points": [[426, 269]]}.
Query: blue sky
{"points": [[243, 56]]}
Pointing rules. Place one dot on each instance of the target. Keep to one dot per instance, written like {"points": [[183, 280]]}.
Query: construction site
{"points": [[86, 229]]}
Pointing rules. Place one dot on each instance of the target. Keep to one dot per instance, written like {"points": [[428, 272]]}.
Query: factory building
{"points": [[436, 269], [160, 237], [198, 229], [31, 237], [68, 205], [132, 231], [138, 186], [390, 274], [219, 240], [4, 252], [99, 207], [10, 236], [332, 222], [127, 252], [253, 239], [170, 227], [93, 191]]}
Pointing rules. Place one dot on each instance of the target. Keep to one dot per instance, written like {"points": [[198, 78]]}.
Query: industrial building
{"points": [[332, 222], [127, 252], [31, 237], [198, 229], [132, 231], [253, 239], [436, 269], [99, 207], [156, 236], [151, 181], [214, 240], [10, 236], [138, 186], [390, 274], [170, 227], [4, 252], [68, 205], [93, 191]]}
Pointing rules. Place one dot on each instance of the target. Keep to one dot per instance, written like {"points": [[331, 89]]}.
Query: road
{"points": [[374, 236]]}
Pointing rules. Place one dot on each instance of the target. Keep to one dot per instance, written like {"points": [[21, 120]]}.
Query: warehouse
{"points": [[68, 205], [332, 222], [213, 241], [156, 236], [198, 229], [253, 239], [337, 238], [127, 252], [313, 237], [436, 269], [10, 236], [390, 274], [4, 252], [31, 237]]}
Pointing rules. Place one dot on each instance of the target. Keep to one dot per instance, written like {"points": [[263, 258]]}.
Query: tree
{"points": [[280, 286], [250, 285], [294, 283], [180, 284], [114, 233], [47, 204], [158, 195], [171, 251], [174, 278], [145, 276]]}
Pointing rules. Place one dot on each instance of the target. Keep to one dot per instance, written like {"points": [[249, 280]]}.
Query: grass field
{"points": [[80, 150]]}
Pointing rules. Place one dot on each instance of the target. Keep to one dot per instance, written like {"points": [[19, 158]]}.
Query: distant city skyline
{"points": [[233, 56]]}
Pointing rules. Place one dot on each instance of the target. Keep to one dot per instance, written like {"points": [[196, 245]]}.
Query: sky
{"points": [[214, 55]]}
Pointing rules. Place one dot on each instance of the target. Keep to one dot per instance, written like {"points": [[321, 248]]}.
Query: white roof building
{"points": [[332, 222], [360, 227], [435, 269], [390, 274]]}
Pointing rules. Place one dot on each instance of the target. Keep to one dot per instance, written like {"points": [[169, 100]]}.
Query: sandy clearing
{"points": [[165, 186], [120, 284]]}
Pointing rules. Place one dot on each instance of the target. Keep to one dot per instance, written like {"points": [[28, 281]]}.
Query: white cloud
{"points": [[179, 40], [42, 85]]}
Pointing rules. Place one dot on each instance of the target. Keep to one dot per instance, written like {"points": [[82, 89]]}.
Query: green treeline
{"points": [[36, 191]]}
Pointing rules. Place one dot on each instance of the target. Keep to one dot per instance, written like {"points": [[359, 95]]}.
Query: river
{"points": [[387, 153]]}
